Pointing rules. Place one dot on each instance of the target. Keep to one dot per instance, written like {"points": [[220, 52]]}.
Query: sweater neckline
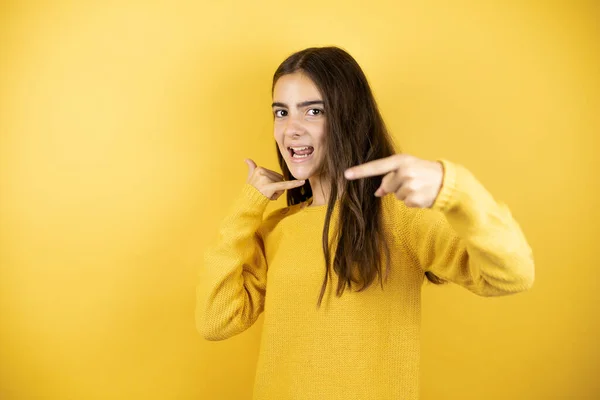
{"points": [[306, 206]]}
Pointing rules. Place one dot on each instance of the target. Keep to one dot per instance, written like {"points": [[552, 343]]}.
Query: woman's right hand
{"points": [[269, 183]]}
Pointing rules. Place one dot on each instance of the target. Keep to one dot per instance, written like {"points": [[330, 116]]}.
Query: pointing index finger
{"points": [[283, 185], [373, 168]]}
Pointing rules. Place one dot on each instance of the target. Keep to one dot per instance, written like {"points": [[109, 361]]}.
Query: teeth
{"points": [[299, 148], [299, 156]]}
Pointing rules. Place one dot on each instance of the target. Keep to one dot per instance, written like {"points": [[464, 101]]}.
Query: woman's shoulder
{"points": [[395, 211], [402, 219], [275, 217]]}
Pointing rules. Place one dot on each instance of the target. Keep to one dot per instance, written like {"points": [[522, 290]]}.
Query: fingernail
{"points": [[349, 174]]}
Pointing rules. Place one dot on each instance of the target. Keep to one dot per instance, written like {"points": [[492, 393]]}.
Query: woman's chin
{"points": [[300, 173]]}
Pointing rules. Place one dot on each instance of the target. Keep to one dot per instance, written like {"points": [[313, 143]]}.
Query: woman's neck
{"points": [[320, 191]]}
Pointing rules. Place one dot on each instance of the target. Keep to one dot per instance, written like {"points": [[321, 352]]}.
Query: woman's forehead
{"points": [[295, 86]]}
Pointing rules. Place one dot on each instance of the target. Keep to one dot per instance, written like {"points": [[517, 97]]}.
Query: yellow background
{"points": [[123, 132]]}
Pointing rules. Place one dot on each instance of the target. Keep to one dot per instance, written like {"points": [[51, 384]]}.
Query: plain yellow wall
{"points": [[123, 130]]}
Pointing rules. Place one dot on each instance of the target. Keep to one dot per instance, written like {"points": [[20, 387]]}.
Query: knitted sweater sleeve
{"points": [[470, 239], [231, 289]]}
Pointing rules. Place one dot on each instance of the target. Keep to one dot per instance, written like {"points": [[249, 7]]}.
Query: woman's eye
{"points": [[315, 111], [280, 113]]}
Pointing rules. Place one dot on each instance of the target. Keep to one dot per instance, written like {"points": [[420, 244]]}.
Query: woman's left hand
{"points": [[415, 181]]}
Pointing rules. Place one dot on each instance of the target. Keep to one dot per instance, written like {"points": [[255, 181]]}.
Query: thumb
{"points": [[251, 166]]}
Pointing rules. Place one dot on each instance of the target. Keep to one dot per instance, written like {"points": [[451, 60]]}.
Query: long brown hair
{"points": [[355, 134]]}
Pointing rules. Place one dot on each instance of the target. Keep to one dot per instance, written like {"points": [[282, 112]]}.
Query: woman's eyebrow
{"points": [[299, 105]]}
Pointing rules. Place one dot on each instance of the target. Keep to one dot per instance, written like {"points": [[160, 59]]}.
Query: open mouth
{"points": [[301, 153]]}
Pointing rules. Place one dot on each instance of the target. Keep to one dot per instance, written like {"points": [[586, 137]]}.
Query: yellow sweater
{"points": [[362, 346]]}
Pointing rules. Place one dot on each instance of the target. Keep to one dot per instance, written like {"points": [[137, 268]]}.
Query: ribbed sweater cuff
{"points": [[446, 198], [252, 198]]}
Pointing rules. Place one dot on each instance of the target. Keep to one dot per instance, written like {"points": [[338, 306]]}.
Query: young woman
{"points": [[338, 273]]}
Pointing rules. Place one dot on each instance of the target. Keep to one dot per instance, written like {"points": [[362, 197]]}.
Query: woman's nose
{"points": [[293, 127]]}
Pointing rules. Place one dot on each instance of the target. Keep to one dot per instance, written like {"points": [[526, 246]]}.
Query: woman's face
{"points": [[299, 125]]}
